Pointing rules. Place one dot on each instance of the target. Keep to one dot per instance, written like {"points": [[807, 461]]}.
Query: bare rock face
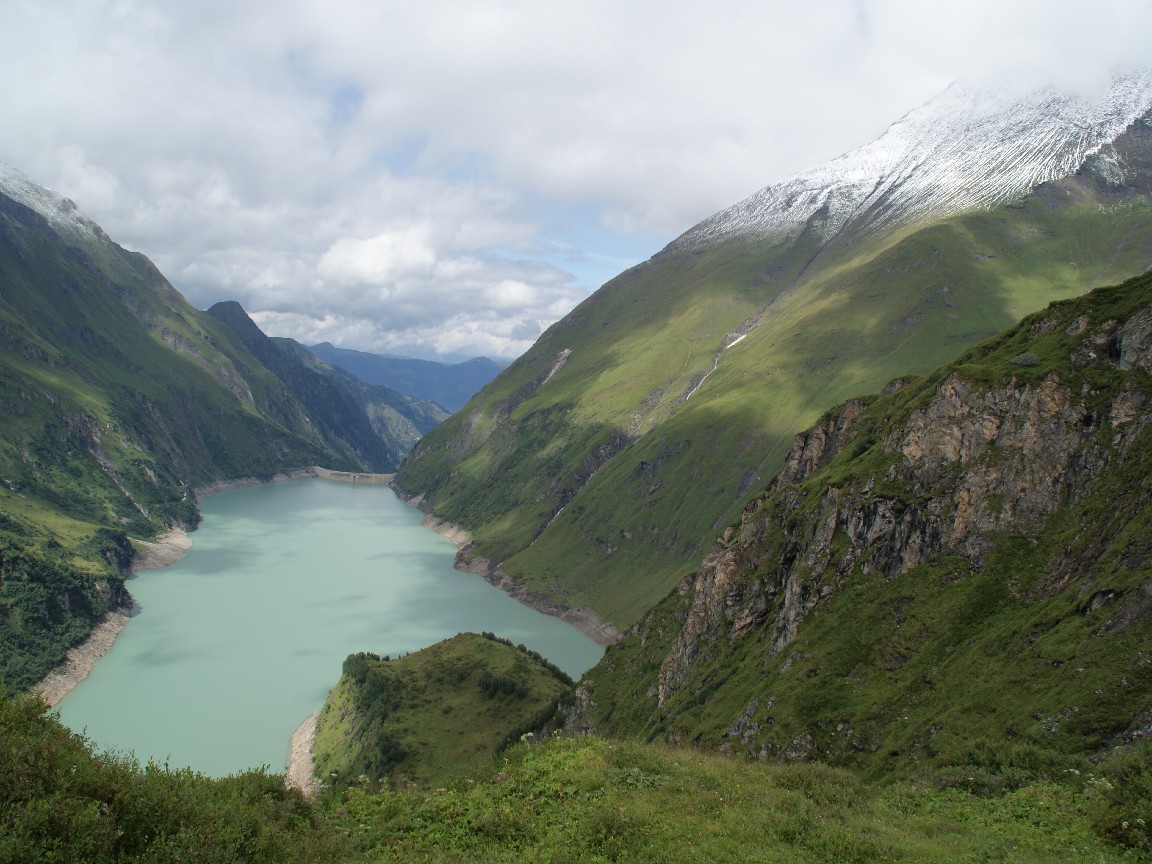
{"points": [[1014, 449], [975, 462], [814, 449]]}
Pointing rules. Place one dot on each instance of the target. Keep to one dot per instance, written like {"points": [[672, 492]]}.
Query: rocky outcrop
{"points": [[969, 461]]}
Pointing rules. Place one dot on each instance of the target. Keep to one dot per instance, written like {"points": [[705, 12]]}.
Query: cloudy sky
{"points": [[445, 178]]}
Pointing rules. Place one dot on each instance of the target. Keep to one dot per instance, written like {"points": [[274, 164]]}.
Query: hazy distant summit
{"points": [[963, 150], [448, 384]]}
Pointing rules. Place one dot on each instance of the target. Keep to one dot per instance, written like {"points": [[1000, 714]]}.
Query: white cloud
{"points": [[380, 260], [510, 294], [453, 174]]}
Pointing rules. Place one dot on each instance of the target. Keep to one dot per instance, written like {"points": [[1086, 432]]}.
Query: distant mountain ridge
{"points": [[450, 385], [381, 424], [602, 463]]}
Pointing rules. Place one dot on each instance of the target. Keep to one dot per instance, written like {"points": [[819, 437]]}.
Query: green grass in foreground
{"points": [[580, 799], [593, 800]]}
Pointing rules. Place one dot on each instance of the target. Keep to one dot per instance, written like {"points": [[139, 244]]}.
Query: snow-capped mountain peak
{"points": [[963, 150], [61, 213]]}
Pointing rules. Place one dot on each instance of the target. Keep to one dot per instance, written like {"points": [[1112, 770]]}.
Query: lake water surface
{"points": [[232, 647]]}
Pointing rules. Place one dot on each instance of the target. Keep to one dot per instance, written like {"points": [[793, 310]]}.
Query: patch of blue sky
{"points": [[401, 157], [574, 239], [344, 104], [416, 156]]}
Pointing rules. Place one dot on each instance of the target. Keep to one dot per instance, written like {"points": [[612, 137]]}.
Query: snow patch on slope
{"points": [[61, 213], [963, 150]]}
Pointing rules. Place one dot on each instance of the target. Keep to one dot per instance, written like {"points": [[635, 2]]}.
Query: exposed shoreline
{"points": [[585, 620], [169, 548], [175, 543], [299, 773]]}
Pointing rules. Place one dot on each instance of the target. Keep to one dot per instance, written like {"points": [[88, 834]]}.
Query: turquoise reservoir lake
{"points": [[232, 647]]}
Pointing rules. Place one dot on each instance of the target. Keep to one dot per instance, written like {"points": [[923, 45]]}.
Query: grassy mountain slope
{"points": [[100, 352], [599, 466], [450, 385], [953, 575], [377, 426], [436, 714]]}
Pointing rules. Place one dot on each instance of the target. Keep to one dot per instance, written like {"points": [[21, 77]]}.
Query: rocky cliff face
{"points": [[975, 462], [1009, 447]]}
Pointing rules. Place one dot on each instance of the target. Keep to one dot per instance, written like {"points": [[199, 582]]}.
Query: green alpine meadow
{"points": [[852, 479], [569, 799]]}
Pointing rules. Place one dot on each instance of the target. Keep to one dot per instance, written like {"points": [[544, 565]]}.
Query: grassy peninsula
{"points": [[435, 714]]}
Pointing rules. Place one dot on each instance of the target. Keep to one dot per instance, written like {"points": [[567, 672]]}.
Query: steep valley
{"points": [[858, 468], [945, 591]]}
